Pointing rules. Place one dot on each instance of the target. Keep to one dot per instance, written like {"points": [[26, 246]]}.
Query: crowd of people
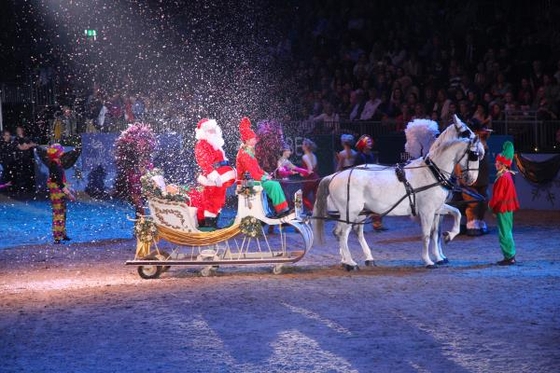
{"points": [[361, 62], [17, 159], [409, 66]]}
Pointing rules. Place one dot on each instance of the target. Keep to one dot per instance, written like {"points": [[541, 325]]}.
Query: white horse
{"points": [[420, 135], [354, 193]]}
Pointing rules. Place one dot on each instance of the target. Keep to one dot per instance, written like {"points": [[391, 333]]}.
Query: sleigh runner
{"points": [[244, 242]]}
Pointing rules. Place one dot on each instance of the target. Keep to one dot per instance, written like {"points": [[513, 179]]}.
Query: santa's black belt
{"points": [[221, 164]]}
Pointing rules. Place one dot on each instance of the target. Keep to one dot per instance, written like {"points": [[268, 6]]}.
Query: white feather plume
{"points": [[420, 135]]}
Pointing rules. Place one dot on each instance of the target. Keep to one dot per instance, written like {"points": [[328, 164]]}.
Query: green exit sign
{"points": [[91, 34]]}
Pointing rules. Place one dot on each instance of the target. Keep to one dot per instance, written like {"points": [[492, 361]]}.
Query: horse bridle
{"points": [[472, 155], [441, 179]]}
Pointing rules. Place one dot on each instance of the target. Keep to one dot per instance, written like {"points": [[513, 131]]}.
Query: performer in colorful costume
{"points": [[217, 173], [134, 149], [365, 155], [247, 162], [311, 180], [58, 191], [504, 202], [364, 145]]}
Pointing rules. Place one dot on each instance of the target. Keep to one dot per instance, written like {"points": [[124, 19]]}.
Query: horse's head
{"points": [[457, 150], [468, 162]]}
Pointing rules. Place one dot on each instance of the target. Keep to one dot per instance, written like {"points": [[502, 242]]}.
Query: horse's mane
{"points": [[448, 137]]}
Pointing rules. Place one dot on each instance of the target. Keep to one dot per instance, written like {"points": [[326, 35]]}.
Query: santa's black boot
{"points": [[211, 222]]}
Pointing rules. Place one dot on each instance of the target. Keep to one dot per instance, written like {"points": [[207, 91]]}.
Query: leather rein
{"points": [[442, 180]]}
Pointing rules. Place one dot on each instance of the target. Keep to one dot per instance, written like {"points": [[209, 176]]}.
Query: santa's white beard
{"points": [[216, 141]]}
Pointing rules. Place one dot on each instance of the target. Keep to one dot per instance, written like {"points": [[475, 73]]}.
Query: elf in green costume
{"points": [[247, 162], [504, 202]]}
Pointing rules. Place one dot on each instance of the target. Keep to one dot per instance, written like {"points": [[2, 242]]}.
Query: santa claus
{"points": [[217, 174]]}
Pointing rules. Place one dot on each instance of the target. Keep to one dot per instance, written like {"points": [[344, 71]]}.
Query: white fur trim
{"points": [[231, 175], [473, 224], [203, 180], [200, 133], [213, 176]]}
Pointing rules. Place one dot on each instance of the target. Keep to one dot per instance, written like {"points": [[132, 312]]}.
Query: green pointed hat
{"points": [[506, 156]]}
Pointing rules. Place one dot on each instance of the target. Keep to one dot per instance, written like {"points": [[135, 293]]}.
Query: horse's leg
{"points": [[336, 231], [345, 255], [359, 229], [436, 241], [456, 214], [426, 222]]}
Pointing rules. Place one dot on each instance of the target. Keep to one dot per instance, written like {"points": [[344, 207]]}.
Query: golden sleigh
{"points": [[247, 241]]}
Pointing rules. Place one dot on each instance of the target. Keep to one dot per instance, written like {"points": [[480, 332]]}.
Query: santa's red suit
{"points": [[217, 175]]}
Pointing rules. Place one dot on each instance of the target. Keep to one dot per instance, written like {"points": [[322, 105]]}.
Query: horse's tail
{"points": [[320, 208]]}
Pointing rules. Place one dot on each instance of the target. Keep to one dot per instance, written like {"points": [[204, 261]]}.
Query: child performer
{"points": [[504, 202]]}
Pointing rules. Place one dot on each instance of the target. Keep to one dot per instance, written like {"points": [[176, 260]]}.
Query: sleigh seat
{"points": [[174, 215]]}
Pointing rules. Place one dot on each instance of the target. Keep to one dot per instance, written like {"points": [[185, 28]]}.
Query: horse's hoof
{"points": [[431, 266], [442, 262], [350, 268], [370, 263], [446, 237]]}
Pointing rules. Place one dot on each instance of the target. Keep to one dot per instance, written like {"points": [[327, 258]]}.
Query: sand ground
{"points": [[78, 308]]}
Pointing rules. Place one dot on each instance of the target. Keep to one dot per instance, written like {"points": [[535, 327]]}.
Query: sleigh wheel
{"points": [[149, 272], [163, 256], [154, 271], [208, 271]]}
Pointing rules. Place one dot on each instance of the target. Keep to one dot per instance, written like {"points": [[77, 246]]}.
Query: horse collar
{"points": [[442, 180]]}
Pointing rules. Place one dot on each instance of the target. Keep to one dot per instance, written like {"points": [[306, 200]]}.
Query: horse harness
{"points": [[441, 180], [410, 193]]}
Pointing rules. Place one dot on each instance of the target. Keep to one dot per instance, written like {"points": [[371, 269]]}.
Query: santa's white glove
{"points": [[202, 180], [214, 177]]}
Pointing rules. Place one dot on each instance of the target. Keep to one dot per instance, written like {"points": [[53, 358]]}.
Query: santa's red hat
{"points": [[245, 129], [203, 125]]}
